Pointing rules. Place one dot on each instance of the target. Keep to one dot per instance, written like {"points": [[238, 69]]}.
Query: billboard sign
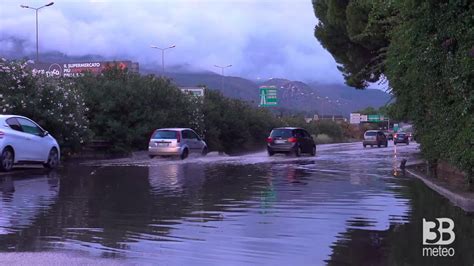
{"points": [[355, 118], [77, 69], [268, 96]]}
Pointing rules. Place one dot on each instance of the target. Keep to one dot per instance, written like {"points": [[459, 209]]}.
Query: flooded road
{"points": [[347, 205]]}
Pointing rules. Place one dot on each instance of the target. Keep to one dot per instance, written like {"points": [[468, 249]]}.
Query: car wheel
{"points": [[364, 145], [386, 144], [298, 151], [6, 159], [313, 151], [204, 151], [270, 152], [185, 154], [378, 145], [53, 159]]}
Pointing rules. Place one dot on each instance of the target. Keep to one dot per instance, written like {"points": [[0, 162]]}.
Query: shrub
{"points": [[54, 103], [124, 108], [233, 125]]}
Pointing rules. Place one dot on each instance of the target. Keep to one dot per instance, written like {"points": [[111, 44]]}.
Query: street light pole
{"points": [[162, 56], [36, 9], [222, 74]]}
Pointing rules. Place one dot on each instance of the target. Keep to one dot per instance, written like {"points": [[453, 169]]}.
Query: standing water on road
{"points": [[347, 205]]}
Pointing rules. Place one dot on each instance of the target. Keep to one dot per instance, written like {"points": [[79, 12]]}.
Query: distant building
{"points": [[196, 91]]}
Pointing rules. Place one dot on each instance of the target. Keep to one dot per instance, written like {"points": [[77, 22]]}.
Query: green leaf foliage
{"points": [[425, 48], [125, 108], [56, 104]]}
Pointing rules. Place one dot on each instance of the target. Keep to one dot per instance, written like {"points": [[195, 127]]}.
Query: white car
{"points": [[24, 141], [175, 142]]}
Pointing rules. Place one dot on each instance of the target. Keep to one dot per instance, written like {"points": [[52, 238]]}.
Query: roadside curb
{"points": [[465, 203]]}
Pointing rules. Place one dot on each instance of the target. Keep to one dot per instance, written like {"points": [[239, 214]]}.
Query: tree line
{"points": [[423, 51], [123, 108]]}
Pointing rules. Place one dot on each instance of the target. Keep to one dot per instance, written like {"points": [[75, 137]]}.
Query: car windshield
{"points": [[370, 133], [281, 133], [165, 134]]}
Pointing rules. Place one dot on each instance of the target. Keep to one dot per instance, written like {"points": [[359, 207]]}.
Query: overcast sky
{"points": [[259, 38]]}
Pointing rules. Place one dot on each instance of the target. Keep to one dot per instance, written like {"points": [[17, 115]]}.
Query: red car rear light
{"points": [[178, 136], [2, 134], [269, 140], [292, 140]]}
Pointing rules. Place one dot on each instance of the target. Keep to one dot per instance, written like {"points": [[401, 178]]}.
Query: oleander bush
{"points": [[54, 103]]}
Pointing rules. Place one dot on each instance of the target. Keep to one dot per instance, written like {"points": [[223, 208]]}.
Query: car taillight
{"points": [[269, 139], [396, 135], [292, 140], [178, 137], [2, 134]]}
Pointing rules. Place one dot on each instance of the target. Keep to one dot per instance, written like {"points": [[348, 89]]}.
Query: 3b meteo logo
{"points": [[436, 234]]}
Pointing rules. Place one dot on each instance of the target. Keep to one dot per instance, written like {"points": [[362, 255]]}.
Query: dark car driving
{"points": [[290, 140], [401, 138]]}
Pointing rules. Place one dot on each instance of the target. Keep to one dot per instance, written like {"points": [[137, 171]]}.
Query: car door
{"points": [[308, 141], [195, 143], [37, 149], [381, 138], [301, 139], [186, 139], [17, 139]]}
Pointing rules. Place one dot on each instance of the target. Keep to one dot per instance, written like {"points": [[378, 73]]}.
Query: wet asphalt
{"points": [[346, 205]]}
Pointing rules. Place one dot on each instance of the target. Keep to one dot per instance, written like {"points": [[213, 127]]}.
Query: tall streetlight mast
{"points": [[222, 74], [162, 56], [36, 9]]}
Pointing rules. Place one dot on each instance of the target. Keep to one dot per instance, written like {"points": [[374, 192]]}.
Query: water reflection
{"points": [[22, 200], [335, 209]]}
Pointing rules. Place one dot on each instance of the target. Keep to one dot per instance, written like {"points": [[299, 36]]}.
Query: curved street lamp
{"points": [[36, 11], [162, 56]]}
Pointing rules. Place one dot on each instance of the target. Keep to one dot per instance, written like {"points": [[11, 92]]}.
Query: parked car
{"points": [[175, 142], [401, 138], [375, 137], [290, 140], [23, 141]]}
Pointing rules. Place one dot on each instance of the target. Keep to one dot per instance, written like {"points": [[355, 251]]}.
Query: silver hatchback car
{"points": [[175, 142], [23, 141]]}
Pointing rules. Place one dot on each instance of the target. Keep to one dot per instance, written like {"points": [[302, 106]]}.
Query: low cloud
{"points": [[259, 38]]}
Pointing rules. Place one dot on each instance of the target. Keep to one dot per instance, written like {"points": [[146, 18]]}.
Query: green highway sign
{"points": [[268, 96], [375, 118]]}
